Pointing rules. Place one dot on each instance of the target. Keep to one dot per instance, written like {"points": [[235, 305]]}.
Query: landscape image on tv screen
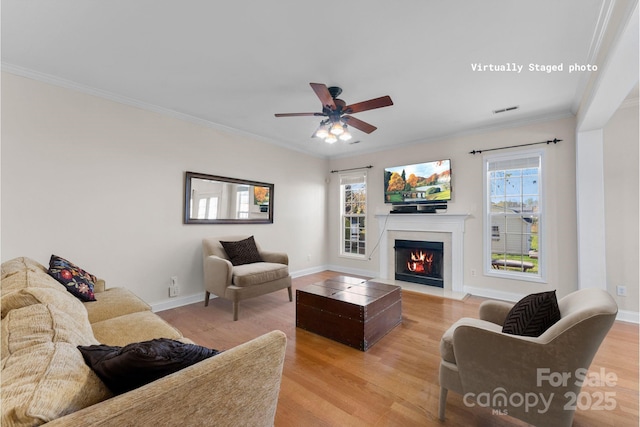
{"points": [[419, 183]]}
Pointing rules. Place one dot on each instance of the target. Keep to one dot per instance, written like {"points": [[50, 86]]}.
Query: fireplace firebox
{"points": [[420, 262]]}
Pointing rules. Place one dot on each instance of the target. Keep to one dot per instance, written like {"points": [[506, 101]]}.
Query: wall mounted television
{"points": [[420, 183]]}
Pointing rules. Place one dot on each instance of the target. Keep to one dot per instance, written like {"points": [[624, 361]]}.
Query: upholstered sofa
{"points": [[46, 380]]}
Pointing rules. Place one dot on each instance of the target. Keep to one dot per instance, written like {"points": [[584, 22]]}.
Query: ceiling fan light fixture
{"points": [[322, 132], [337, 113], [346, 135], [337, 129]]}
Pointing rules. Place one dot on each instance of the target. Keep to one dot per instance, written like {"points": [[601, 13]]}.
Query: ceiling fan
{"points": [[338, 113]]}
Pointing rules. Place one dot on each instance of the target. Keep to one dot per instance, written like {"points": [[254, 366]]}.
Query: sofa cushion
{"points": [[242, 251], [29, 278], [58, 297], [258, 273], [133, 327], [43, 323], [134, 365], [47, 381], [20, 264], [115, 302], [532, 315]]}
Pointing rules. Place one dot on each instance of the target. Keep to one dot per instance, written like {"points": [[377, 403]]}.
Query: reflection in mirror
{"points": [[211, 199]]}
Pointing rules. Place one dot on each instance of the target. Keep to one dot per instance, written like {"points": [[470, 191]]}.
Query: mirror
{"points": [[210, 199]]}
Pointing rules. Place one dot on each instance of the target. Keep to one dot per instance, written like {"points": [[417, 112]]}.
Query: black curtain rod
{"points": [[352, 169], [554, 140]]}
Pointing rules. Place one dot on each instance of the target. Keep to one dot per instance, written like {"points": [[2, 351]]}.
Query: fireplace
{"points": [[419, 261], [443, 227]]}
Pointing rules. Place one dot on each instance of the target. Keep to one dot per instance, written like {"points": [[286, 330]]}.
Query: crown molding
{"points": [[630, 102], [599, 33], [88, 90], [473, 130]]}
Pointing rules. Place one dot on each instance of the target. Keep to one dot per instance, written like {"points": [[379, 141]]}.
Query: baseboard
{"points": [[493, 294], [628, 316], [177, 302], [191, 299], [623, 315], [356, 271], [307, 271]]}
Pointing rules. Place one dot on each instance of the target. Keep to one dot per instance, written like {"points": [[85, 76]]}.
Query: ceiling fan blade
{"points": [[298, 114], [322, 92], [383, 101], [359, 124]]}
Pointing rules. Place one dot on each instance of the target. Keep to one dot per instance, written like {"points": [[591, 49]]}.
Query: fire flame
{"points": [[421, 262]]}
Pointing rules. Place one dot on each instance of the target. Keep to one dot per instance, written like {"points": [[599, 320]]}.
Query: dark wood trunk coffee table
{"points": [[352, 311]]}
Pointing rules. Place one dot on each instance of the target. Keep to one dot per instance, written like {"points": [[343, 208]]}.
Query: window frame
{"points": [[489, 230], [343, 216]]}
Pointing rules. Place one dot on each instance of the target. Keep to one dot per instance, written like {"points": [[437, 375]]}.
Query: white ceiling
{"points": [[235, 64]]}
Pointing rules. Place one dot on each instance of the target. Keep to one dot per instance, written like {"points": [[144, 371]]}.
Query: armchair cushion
{"points": [[532, 315], [258, 273], [446, 343], [134, 365], [242, 251]]}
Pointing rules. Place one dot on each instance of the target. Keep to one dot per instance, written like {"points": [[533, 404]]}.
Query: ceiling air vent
{"points": [[504, 110]]}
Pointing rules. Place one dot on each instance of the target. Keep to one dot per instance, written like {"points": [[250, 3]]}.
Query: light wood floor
{"points": [[395, 383]]}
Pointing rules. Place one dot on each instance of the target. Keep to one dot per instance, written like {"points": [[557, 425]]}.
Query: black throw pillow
{"points": [[532, 315], [242, 252], [134, 365]]}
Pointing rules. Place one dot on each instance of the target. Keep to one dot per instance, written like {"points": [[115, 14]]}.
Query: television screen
{"points": [[418, 183]]}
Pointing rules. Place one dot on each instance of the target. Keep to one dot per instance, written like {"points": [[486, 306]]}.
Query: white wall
{"points": [[101, 183], [467, 178], [621, 205]]}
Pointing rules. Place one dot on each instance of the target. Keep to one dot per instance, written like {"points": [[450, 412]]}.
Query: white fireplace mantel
{"points": [[434, 223]]}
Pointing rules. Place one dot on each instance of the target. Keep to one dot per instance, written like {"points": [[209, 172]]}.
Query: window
{"points": [[514, 216], [353, 202], [495, 232], [242, 202], [207, 207]]}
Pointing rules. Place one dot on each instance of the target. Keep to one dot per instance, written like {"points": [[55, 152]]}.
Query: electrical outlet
{"points": [[309, 257], [621, 291], [174, 289], [473, 272]]}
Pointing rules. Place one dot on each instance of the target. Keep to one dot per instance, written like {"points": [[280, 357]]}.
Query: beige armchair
{"points": [[239, 282], [535, 379]]}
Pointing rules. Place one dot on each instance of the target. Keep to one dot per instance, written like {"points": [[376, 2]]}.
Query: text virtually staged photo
{"points": [[243, 214]]}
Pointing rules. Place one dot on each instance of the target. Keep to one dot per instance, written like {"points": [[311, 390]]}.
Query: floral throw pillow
{"points": [[76, 280]]}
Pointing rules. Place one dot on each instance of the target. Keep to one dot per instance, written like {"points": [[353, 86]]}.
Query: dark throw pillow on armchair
{"points": [[242, 252], [134, 365], [532, 315]]}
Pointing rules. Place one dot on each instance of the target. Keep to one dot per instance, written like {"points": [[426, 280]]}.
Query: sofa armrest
{"points": [[494, 311], [218, 273], [238, 387], [100, 286], [277, 257]]}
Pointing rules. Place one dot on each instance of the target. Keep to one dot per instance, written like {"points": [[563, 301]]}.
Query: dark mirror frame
{"points": [[189, 176]]}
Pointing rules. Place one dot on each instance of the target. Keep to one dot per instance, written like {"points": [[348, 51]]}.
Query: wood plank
{"points": [[395, 383]]}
